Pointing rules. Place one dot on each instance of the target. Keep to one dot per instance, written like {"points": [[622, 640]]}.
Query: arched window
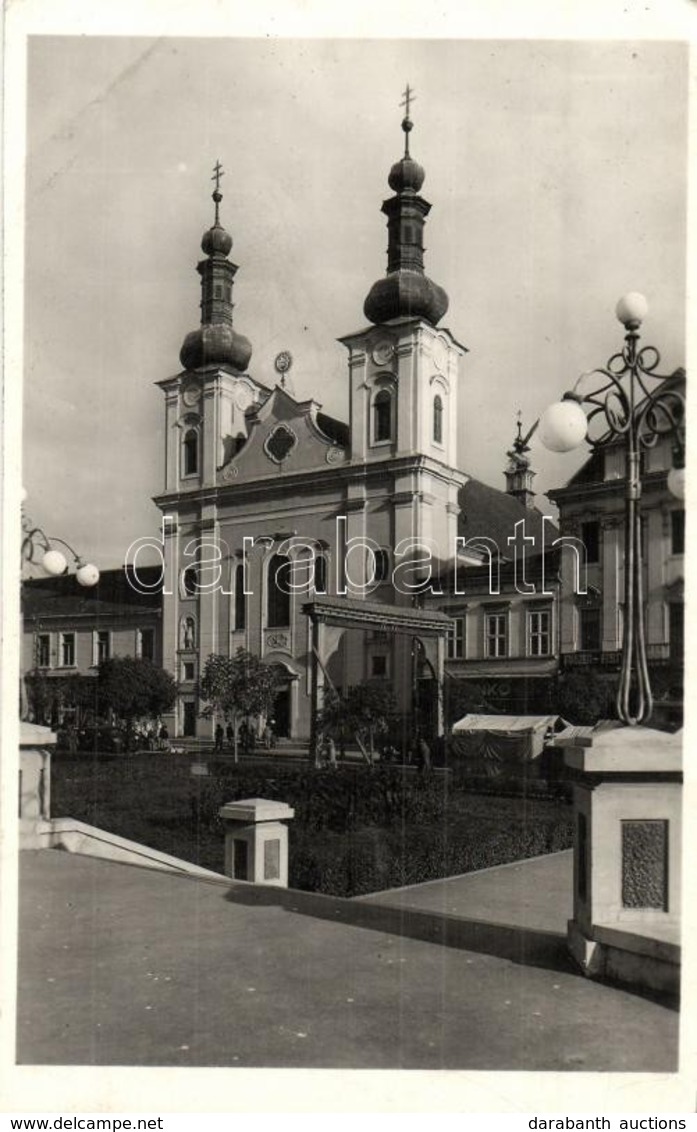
{"points": [[190, 581], [438, 419], [278, 591], [382, 416], [240, 598], [382, 565], [320, 574], [190, 452]]}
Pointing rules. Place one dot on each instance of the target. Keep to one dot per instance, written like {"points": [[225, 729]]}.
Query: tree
{"points": [[585, 697], [238, 686], [133, 688], [366, 711]]}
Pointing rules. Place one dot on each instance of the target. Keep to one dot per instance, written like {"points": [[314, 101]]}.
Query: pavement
{"points": [[120, 965], [535, 894]]}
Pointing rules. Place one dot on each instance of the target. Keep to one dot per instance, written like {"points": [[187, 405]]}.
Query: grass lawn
{"points": [[356, 830]]}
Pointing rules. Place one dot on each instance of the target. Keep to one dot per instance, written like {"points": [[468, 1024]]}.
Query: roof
{"points": [[358, 613], [508, 723], [487, 512], [335, 429], [113, 596]]}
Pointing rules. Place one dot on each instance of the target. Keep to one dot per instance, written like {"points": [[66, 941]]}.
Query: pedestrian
{"points": [[268, 737], [230, 735], [164, 738], [424, 754], [219, 737], [330, 752], [244, 728]]}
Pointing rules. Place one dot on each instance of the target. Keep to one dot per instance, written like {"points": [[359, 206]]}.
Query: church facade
{"points": [[270, 503]]}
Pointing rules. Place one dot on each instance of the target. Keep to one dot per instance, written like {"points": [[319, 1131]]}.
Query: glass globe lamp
{"points": [[676, 482], [563, 426], [54, 563], [87, 574], [632, 309]]}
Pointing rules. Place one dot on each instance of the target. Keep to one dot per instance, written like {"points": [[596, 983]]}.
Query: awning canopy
{"points": [[508, 724]]}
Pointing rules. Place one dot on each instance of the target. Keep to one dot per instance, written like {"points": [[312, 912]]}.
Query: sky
{"points": [[556, 171]]}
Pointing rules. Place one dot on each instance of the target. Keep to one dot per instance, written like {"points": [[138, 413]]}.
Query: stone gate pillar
{"points": [[627, 855], [256, 840]]}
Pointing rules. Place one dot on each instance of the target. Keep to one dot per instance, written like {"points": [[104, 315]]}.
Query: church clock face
{"points": [[440, 355], [243, 399], [191, 395], [382, 352]]}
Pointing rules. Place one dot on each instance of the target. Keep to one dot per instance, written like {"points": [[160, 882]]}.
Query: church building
{"points": [[261, 488]]}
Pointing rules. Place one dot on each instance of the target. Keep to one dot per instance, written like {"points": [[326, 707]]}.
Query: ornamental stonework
{"points": [[280, 443], [335, 456], [278, 641], [645, 864]]}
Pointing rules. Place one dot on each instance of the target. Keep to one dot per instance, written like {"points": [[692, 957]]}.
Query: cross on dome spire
{"points": [[406, 291], [407, 123], [218, 172]]}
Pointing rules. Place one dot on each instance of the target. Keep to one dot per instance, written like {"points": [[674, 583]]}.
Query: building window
{"points": [[590, 537], [101, 646], [456, 639], [496, 634], [188, 670], [677, 532], [382, 416], [278, 592], [319, 580], [240, 598], [190, 452], [589, 630], [381, 560], [438, 419], [539, 632], [146, 644], [67, 650], [190, 581], [42, 650], [379, 666], [676, 630]]}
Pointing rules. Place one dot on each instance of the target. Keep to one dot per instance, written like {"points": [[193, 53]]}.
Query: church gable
{"points": [[285, 436]]}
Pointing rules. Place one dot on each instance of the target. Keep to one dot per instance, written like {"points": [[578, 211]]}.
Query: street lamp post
{"points": [[628, 409], [38, 549]]}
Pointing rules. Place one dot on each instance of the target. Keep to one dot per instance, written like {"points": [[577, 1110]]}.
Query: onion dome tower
{"points": [[405, 292], [215, 342]]}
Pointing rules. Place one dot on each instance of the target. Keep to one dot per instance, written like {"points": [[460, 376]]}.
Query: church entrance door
{"points": [[189, 719], [281, 713]]}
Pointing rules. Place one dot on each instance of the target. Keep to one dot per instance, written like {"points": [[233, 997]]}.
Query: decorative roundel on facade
{"points": [[283, 361], [229, 473], [191, 395], [440, 354], [280, 443], [335, 456], [382, 352]]}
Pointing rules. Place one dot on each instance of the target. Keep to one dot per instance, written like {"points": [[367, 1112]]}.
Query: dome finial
{"points": [[218, 172], [407, 123]]}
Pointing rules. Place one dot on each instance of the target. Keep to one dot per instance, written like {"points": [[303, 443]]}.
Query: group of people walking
{"points": [[247, 737]]}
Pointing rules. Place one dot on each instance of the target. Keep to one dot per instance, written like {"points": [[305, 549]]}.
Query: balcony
{"points": [[655, 654], [595, 658]]}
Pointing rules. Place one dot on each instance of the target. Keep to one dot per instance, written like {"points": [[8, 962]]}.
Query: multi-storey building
{"points": [[69, 630]]}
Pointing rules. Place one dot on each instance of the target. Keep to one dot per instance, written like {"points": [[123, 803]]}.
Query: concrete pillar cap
{"points": [[253, 810]]}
